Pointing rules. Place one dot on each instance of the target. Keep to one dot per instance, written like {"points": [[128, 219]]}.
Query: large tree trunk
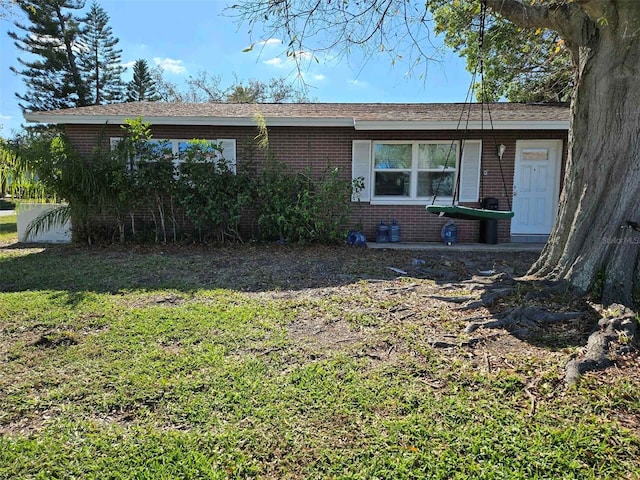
{"points": [[592, 243]]}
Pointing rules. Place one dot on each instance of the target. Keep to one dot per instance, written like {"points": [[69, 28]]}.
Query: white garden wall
{"points": [[27, 212]]}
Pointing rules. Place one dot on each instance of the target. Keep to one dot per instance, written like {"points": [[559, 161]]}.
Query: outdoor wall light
{"points": [[501, 149]]}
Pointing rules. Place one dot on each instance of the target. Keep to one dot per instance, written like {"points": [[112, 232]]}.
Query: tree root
{"points": [[471, 303], [615, 335], [443, 298], [486, 299], [525, 317], [617, 327], [497, 280], [470, 343]]}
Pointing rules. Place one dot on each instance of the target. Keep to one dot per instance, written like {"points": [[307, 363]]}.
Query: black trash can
{"points": [[489, 226]]}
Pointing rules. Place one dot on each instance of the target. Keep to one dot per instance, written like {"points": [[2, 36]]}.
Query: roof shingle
{"points": [[357, 115]]}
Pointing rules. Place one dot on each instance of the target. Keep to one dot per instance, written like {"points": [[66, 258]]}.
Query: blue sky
{"points": [[189, 36]]}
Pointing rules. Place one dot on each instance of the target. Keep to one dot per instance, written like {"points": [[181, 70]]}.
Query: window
{"points": [[212, 150], [437, 169], [392, 169], [414, 170], [177, 148]]}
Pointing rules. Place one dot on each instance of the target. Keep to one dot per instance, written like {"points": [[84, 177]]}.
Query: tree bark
{"points": [[71, 58], [592, 244]]}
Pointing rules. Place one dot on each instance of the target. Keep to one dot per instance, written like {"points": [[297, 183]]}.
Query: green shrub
{"points": [[206, 192], [211, 193], [298, 208]]}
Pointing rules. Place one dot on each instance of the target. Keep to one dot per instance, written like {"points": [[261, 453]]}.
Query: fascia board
{"points": [[217, 121], [364, 125], [449, 125]]}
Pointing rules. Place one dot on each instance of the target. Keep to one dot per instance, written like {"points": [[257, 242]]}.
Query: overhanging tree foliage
{"points": [[53, 78], [520, 64]]}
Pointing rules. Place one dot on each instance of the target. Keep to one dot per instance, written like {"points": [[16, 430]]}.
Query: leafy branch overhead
{"points": [[520, 64]]}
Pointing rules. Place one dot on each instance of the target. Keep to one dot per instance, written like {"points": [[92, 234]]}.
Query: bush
{"points": [[139, 175], [298, 208], [211, 192]]}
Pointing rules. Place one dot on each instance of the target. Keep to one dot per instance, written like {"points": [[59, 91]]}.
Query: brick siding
{"points": [[317, 147]]}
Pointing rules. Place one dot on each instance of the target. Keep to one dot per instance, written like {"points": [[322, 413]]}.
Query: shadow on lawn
{"points": [[74, 272], [242, 268]]}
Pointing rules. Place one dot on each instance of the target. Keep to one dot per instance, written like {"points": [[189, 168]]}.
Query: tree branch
{"points": [[568, 19], [596, 9]]}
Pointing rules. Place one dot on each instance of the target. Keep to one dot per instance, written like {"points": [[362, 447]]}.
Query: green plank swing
{"points": [[459, 211], [469, 213]]}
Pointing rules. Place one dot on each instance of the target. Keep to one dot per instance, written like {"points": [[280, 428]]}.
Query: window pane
{"points": [[535, 154], [429, 182], [437, 155], [389, 155], [153, 150], [156, 148], [198, 151], [393, 183]]}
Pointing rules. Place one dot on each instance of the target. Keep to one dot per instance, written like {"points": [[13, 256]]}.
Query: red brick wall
{"points": [[317, 147]]}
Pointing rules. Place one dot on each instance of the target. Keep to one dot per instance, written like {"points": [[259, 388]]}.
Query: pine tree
{"points": [[142, 86], [53, 78], [99, 59]]}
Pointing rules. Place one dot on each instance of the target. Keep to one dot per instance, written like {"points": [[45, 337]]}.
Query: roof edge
{"points": [[38, 117], [452, 125]]}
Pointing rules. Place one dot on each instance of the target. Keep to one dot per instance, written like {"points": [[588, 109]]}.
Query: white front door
{"points": [[536, 186]]}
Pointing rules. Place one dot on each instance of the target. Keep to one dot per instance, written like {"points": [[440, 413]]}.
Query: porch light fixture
{"points": [[501, 149]]}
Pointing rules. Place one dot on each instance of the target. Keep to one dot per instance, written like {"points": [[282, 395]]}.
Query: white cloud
{"points": [[274, 62], [170, 65], [129, 64], [270, 41], [319, 77], [5, 117], [358, 83], [47, 40], [300, 57]]}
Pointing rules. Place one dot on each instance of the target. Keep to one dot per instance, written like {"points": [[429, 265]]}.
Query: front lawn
{"points": [[280, 362]]}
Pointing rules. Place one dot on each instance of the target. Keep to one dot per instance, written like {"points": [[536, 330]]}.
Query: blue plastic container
{"points": [[356, 238], [449, 233], [394, 231], [382, 233]]}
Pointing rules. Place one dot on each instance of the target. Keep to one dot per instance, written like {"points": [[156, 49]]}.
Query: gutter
{"points": [[37, 117], [366, 125], [351, 122]]}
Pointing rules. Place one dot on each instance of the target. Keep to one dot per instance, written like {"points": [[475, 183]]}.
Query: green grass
{"points": [[153, 365], [8, 229]]}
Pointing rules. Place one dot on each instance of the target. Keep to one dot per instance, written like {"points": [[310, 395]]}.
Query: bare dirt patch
{"points": [[381, 303]]}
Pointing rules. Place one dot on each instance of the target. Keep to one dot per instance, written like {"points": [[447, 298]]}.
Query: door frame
{"points": [[557, 146]]}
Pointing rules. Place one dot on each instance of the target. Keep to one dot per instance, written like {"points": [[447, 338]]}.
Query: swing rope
{"points": [[466, 109], [483, 16], [469, 212]]}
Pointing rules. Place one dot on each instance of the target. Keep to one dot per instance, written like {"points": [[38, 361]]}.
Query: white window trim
{"points": [[412, 199]]}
